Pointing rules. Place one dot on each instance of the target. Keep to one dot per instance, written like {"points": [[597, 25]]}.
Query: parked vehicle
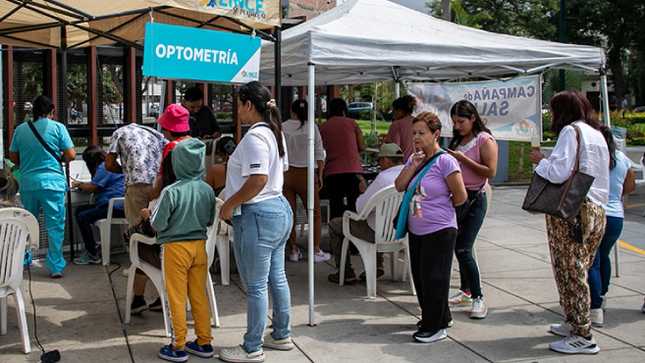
{"points": [[359, 109], [153, 110], [27, 106]]}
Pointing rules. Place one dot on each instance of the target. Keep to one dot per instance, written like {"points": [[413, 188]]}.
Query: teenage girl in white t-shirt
{"points": [[262, 220]]}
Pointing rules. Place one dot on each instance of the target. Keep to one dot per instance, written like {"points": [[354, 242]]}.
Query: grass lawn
{"points": [[381, 126], [514, 156]]}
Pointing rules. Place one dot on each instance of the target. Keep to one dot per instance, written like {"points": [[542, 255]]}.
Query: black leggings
{"points": [[431, 261]]}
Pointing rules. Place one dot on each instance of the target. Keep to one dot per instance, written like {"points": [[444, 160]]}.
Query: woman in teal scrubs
{"points": [[42, 182]]}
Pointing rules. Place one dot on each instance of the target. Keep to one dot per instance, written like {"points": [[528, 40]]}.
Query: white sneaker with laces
{"points": [[563, 330], [460, 299], [479, 309], [575, 344], [321, 256], [295, 256], [596, 317]]}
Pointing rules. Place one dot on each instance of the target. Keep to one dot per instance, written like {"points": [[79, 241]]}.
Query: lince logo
{"points": [[247, 8], [246, 74]]}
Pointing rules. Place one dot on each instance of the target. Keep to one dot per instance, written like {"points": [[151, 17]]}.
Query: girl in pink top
{"points": [[476, 150], [342, 140], [401, 130]]}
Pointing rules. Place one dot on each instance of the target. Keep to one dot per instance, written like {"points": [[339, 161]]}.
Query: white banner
{"points": [[511, 109]]}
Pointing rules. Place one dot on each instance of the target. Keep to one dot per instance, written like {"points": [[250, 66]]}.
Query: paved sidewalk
{"points": [[78, 316]]}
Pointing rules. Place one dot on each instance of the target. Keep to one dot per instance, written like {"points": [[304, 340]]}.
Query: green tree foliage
{"points": [[618, 26], [530, 18]]}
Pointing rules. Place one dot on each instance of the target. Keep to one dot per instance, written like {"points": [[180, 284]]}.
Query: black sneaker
{"points": [[427, 337], [156, 305], [138, 305], [380, 271]]}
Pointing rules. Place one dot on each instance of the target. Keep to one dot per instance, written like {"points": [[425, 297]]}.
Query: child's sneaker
{"points": [[461, 298], [321, 256], [575, 344], [238, 354], [173, 355], [479, 309], [278, 344], [87, 258], [204, 351], [295, 256]]}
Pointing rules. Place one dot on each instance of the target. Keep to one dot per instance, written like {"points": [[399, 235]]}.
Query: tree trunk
{"points": [[616, 66]]}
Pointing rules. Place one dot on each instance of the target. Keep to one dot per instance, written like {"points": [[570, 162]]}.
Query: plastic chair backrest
{"points": [[386, 204], [213, 232], [16, 227]]}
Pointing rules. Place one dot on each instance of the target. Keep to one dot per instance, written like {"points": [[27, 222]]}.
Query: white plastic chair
{"points": [[156, 275], [105, 229], [16, 224], [386, 204]]}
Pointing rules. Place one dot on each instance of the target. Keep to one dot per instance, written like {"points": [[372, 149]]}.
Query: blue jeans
{"points": [[86, 215], [261, 233], [468, 230], [600, 271]]}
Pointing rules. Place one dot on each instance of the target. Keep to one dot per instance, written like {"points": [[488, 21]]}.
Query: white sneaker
{"points": [[238, 354], [280, 344], [295, 256], [604, 301], [563, 330], [321, 256], [460, 299], [126, 272], [575, 344], [479, 309], [596, 317]]}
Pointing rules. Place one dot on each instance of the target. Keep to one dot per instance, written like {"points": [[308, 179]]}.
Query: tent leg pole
{"points": [[605, 96], [397, 89], [310, 189]]}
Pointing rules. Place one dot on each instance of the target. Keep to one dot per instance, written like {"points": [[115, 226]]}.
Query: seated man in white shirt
{"points": [[390, 158]]}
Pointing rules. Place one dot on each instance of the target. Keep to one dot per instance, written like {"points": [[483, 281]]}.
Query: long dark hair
{"points": [[42, 106], [226, 145], [569, 106], [466, 109], [260, 98], [299, 107], [611, 145], [93, 156]]}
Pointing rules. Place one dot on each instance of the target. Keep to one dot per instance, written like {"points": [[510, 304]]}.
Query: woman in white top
{"points": [[573, 245], [295, 179], [262, 220], [621, 182]]}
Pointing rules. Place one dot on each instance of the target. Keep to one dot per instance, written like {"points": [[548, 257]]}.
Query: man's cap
{"points": [[390, 150], [175, 118]]}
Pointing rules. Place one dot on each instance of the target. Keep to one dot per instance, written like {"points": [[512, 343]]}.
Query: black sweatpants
{"points": [[339, 187], [431, 261]]}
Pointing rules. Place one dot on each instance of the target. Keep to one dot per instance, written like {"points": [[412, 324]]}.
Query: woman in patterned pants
{"points": [[573, 245]]}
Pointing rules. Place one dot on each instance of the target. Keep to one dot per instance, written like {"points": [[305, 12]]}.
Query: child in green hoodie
{"points": [[181, 216]]}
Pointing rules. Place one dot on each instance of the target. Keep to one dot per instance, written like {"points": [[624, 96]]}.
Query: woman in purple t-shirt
{"points": [[432, 225], [476, 150]]}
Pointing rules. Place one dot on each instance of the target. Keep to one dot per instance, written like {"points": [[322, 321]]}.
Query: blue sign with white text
{"points": [[206, 55]]}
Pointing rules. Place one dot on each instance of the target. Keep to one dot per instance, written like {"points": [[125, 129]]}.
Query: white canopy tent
{"points": [[364, 41]]}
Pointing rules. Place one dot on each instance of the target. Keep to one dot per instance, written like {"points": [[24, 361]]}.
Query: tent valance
{"points": [[67, 24]]}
